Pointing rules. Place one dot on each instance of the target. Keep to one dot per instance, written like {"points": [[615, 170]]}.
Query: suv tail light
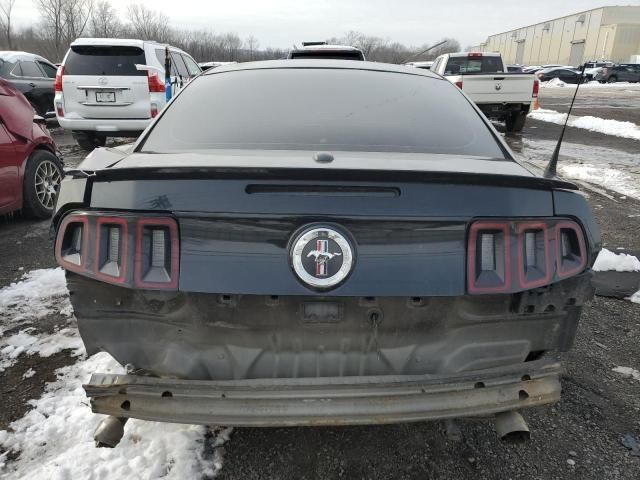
{"points": [[156, 85], [58, 82], [475, 54], [509, 256], [536, 88], [130, 251]]}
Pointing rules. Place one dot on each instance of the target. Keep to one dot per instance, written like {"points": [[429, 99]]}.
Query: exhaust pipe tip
{"points": [[109, 432], [512, 428]]}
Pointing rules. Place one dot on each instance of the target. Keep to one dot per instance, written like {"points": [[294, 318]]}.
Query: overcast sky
{"points": [[281, 23]]}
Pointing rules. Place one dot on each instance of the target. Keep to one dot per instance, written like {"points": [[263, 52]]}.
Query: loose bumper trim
{"points": [[326, 401]]}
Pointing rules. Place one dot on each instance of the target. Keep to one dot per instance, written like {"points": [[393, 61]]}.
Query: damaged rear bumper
{"points": [[326, 401]]}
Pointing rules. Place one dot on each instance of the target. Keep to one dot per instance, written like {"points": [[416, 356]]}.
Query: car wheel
{"points": [[89, 140], [42, 178], [515, 122], [612, 79]]}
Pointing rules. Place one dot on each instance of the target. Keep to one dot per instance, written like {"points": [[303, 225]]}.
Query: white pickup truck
{"points": [[484, 78]]}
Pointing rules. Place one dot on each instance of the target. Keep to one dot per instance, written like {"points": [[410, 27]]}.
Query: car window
{"points": [[49, 70], [466, 65], [176, 59], [322, 109], [104, 60], [192, 66], [30, 69], [17, 70], [161, 56]]}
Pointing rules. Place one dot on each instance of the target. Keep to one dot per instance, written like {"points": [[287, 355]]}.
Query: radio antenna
{"points": [[551, 169]]}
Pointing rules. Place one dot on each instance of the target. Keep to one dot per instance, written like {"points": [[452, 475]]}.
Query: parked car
{"points": [[30, 170], [423, 65], [501, 95], [110, 87], [322, 50], [537, 68], [515, 68], [207, 65], [322, 242], [624, 72], [567, 75], [33, 75]]}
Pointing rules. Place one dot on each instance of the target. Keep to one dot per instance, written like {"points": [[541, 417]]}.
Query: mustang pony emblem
{"points": [[322, 256]]}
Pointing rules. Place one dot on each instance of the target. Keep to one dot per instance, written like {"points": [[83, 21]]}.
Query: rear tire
{"points": [[612, 79], [515, 122], [89, 140], [41, 184]]}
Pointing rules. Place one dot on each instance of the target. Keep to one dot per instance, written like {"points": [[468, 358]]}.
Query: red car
{"points": [[30, 170]]}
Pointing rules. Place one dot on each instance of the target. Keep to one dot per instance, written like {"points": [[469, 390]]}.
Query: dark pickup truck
{"points": [[323, 243]]}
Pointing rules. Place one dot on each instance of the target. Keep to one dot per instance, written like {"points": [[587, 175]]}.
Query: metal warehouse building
{"points": [[606, 33]]}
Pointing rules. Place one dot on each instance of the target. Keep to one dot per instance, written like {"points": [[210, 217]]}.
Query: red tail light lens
{"points": [[475, 54], [150, 244], [536, 88], [489, 266], [156, 85], [509, 255], [154, 110], [571, 255], [72, 243], [111, 254], [58, 82], [459, 85], [156, 261]]}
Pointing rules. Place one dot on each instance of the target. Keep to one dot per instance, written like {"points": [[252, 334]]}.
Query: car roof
{"points": [[466, 54], [327, 47], [120, 42], [11, 55], [421, 64], [323, 64]]}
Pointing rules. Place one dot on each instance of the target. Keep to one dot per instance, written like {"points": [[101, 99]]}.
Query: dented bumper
{"points": [[326, 401]]}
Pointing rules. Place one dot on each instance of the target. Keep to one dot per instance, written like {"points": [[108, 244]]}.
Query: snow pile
{"points": [[615, 179], [607, 260], [38, 294], [628, 372], [55, 439], [554, 82], [593, 124], [635, 298]]}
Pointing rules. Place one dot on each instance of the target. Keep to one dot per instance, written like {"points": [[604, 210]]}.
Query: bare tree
{"points": [[104, 20], [232, 44], [149, 24], [6, 7], [52, 13], [252, 44], [76, 14]]}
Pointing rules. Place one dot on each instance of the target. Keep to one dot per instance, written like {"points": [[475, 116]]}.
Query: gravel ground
{"points": [[578, 438]]}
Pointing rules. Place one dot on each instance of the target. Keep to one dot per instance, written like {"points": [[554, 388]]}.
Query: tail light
{"points": [[536, 88], [154, 110], [542, 251], [459, 85], [72, 243], [129, 251], [474, 54], [58, 82], [156, 253], [156, 85], [59, 109]]}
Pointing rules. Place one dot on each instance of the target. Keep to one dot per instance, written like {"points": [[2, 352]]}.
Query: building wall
{"points": [[608, 33]]}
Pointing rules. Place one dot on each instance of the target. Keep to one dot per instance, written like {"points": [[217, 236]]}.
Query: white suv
{"points": [[110, 87]]}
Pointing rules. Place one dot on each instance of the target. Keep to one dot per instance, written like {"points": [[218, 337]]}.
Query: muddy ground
{"points": [[578, 438]]}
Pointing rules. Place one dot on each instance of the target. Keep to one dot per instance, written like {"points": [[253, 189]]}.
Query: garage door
{"points": [[577, 52]]}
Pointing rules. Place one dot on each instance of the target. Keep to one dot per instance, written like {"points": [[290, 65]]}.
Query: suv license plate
{"points": [[106, 97]]}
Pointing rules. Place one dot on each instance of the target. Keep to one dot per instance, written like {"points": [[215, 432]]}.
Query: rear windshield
{"points": [[104, 60], [322, 109], [329, 54], [467, 65]]}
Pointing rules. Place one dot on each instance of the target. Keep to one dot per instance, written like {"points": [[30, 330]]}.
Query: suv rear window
{"points": [[104, 60], [322, 109], [467, 65]]}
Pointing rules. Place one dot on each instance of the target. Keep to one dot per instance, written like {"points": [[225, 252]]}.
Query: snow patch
{"points": [[594, 124], [55, 439], [553, 83], [635, 298], [40, 293], [622, 262], [615, 179], [29, 373], [628, 372]]}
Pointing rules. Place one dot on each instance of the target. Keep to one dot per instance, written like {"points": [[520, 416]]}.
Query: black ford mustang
{"points": [[322, 242]]}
